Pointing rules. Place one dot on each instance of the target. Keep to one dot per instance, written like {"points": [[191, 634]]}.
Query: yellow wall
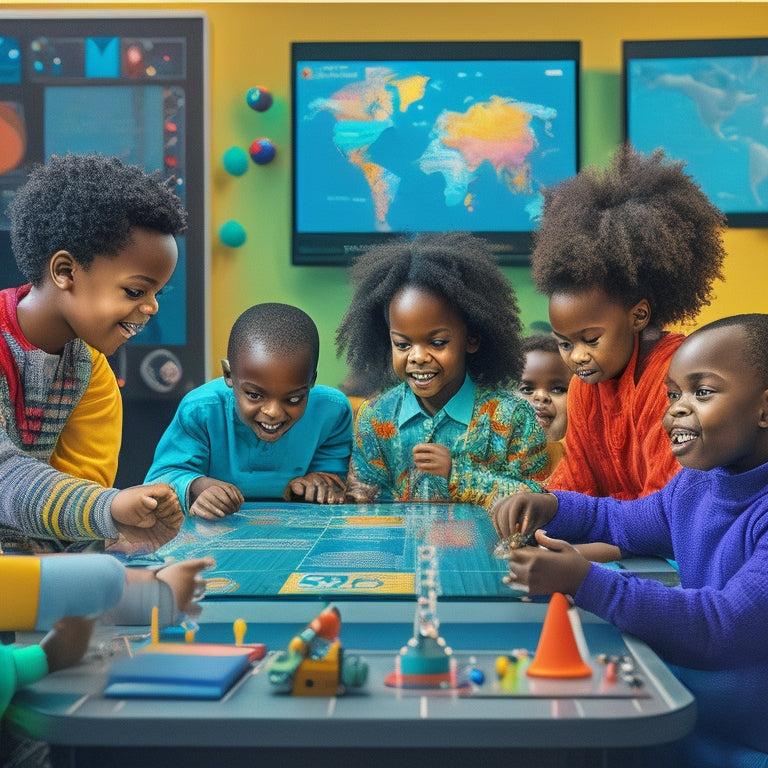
{"points": [[249, 45]]}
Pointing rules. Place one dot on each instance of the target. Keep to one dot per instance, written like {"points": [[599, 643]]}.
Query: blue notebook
{"points": [[175, 676]]}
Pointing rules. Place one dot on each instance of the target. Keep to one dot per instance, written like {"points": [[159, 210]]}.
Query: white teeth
{"points": [[269, 427], [422, 376], [683, 437], [133, 328]]}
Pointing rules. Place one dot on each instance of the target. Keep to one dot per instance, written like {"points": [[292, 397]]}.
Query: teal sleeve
{"points": [[19, 667], [31, 664]]}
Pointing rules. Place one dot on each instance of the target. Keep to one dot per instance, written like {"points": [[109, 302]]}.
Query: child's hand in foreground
{"points": [[433, 458], [184, 579], [553, 566], [147, 516], [522, 512], [213, 499], [186, 583], [67, 642], [319, 487]]}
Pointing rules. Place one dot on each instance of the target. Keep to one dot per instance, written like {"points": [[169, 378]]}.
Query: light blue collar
{"points": [[459, 407]]}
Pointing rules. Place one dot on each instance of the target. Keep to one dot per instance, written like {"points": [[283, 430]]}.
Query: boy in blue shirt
{"points": [[264, 430]]}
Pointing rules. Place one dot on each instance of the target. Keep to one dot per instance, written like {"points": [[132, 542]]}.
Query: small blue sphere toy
{"points": [[259, 99], [262, 151]]}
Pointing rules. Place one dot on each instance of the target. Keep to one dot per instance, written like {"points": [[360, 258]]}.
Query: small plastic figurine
{"points": [[314, 663]]}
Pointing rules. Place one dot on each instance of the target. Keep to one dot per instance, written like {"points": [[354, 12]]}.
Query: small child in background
{"points": [[438, 314], [95, 239], [544, 384], [621, 254], [711, 517], [264, 430]]}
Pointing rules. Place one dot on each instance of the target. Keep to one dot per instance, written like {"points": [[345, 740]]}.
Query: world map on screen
{"points": [[407, 146]]}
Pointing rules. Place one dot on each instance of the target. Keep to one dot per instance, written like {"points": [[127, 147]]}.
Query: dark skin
{"points": [[106, 304], [430, 344], [596, 335], [717, 417], [68, 640], [271, 394]]}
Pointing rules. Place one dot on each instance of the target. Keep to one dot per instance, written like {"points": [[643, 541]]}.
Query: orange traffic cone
{"points": [[557, 654]]}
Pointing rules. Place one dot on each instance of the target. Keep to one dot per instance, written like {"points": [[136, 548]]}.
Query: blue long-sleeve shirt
{"points": [[207, 438], [712, 627]]}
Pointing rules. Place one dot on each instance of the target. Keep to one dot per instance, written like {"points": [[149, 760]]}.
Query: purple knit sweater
{"points": [[714, 627]]}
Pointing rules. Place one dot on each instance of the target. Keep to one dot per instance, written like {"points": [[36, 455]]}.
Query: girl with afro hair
{"points": [[437, 314], [621, 254]]}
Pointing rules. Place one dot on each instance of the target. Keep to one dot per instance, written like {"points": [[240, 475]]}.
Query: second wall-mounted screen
{"points": [[705, 102]]}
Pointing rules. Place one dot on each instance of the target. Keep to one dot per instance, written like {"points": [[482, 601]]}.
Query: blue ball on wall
{"points": [[232, 233], [259, 99], [262, 151], [235, 161]]}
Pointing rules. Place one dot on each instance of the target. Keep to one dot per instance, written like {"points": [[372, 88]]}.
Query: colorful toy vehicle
{"points": [[314, 663]]}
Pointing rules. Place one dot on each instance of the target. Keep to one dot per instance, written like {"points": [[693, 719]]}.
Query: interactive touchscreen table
{"points": [[305, 556], [270, 549]]}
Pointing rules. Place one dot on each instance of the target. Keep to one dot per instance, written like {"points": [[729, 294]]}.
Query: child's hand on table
{"points": [[212, 499], [318, 487], [553, 566], [522, 513], [184, 579]]}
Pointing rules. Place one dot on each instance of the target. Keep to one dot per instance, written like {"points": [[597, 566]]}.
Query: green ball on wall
{"points": [[235, 161], [232, 233]]}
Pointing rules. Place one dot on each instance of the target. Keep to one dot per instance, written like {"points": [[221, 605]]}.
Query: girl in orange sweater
{"points": [[621, 254]]}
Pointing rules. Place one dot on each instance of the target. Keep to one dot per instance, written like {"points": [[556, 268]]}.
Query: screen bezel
{"points": [[693, 49], [193, 27], [341, 248]]}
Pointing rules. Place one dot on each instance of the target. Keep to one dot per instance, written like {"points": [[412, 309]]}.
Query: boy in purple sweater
{"points": [[712, 518]]}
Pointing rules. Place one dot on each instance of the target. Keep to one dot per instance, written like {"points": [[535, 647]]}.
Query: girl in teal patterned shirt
{"points": [[437, 314]]}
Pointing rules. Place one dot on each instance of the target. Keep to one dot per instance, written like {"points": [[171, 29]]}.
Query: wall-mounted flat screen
{"points": [[131, 85], [705, 102], [390, 139]]}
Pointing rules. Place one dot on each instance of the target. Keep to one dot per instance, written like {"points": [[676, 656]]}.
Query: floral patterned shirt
{"points": [[496, 445]]}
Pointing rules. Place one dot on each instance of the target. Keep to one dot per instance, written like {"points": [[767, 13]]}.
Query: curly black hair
{"points": [[282, 329], [456, 266], [755, 327], [640, 229], [87, 204], [540, 342]]}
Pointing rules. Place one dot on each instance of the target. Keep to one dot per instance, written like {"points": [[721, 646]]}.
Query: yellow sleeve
{"points": [[89, 444]]}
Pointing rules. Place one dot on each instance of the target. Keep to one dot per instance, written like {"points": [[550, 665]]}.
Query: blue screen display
{"points": [[711, 112], [404, 145]]}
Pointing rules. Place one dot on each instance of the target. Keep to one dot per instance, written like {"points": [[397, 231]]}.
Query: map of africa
{"points": [[408, 146]]}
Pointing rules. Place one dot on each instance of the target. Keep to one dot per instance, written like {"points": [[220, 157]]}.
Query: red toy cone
{"points": [[557, 654]]}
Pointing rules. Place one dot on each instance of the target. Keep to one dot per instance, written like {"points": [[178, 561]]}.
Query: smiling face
{"points": [[111, 300], [718, 406], [271, 390], [544, 384], [429, 346], [595, 333]]}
